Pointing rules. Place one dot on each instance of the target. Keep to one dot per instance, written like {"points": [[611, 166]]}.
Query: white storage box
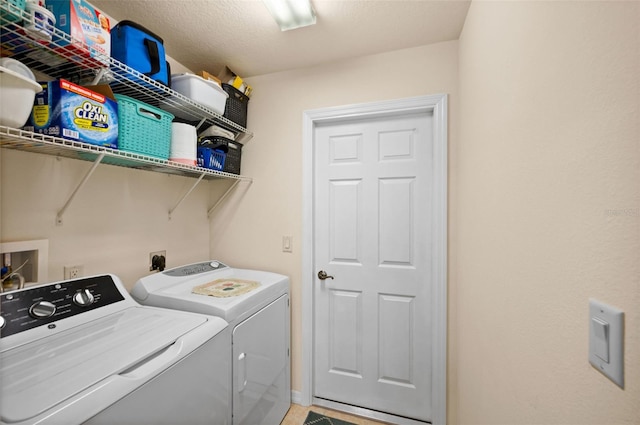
{"points": [[204, 92]]}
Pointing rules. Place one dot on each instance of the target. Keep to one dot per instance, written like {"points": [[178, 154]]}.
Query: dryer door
{"points": [[261, 366]]}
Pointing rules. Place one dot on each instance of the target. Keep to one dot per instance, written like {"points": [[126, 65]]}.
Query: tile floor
{"points": [[297, 414]]}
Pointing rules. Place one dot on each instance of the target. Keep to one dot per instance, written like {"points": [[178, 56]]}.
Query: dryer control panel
{"points": [[41, 305], [197, 268]]}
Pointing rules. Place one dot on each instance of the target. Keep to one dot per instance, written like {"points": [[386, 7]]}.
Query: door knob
{"points": [[322, 275]]}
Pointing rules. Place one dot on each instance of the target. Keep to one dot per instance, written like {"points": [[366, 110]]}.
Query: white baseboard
{"points": [[296, 397]]}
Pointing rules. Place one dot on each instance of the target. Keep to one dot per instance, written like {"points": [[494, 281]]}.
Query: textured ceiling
{"points": [[208, 34]]}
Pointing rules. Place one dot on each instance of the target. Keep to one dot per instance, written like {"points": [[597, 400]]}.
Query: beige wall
{"points": [[117, 218], [548, 210], [121, 214], [247, 230], [114, 223]]}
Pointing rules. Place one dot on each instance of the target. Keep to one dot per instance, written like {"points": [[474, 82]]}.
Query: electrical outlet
{"points": [[157, 260], [73, 272]]}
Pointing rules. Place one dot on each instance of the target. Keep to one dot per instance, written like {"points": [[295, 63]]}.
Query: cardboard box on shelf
{"points": [[85, 24], [227, 76], [210, 77], [84, 114]]}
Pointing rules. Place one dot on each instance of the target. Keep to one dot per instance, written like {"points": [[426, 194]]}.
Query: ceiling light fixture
{"points": [[291, 14]]}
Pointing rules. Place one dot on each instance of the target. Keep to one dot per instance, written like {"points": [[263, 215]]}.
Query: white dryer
{"points": [[84, 352], [256, 305]]}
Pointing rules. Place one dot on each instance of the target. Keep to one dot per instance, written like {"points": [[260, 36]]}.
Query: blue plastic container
{"points": [[140, 49], [211, 159]]}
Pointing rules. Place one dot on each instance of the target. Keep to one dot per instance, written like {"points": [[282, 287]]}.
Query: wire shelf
{"points": [[28, 141], [73, 60]]}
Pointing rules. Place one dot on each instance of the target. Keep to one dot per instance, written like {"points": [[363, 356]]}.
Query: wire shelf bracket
{"points": [[16, 139], [185, 195], [223, 197], [78, 188]]}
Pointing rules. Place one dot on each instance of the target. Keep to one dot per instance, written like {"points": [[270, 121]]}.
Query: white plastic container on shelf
{"points": [[43, 23], [18, 88], [215, 130], [183, 143], [204, 92]]}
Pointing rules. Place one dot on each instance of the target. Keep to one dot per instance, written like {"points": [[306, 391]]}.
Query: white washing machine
{"points": [[84, 352], [256, 305]]}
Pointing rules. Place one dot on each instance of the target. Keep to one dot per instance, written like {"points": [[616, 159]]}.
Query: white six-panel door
{"points": [[372, 231]]}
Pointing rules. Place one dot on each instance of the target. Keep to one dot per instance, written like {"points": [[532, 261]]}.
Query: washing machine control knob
{"points": [[2, 322], [42, 310], [83, 298]]}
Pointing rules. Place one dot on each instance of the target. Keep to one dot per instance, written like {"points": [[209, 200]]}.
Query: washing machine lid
{"points": [[173, 289], [41, 375]]}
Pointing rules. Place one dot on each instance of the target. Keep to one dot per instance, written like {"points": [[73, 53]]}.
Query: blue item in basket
{"points": [[209, 158], [140, 49], [143, 128]]}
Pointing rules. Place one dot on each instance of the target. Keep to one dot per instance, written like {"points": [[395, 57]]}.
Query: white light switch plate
{"points": [[606, 340], [287, 244]]}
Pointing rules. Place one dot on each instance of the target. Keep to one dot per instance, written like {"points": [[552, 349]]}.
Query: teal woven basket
{"points": [[11, 10], [143, 128]]}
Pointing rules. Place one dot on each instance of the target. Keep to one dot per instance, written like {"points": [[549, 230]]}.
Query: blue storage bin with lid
{"points": [[140, 49]]}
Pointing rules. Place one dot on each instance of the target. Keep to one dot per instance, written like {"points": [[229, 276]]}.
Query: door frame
{"points": [[437, 106]]}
